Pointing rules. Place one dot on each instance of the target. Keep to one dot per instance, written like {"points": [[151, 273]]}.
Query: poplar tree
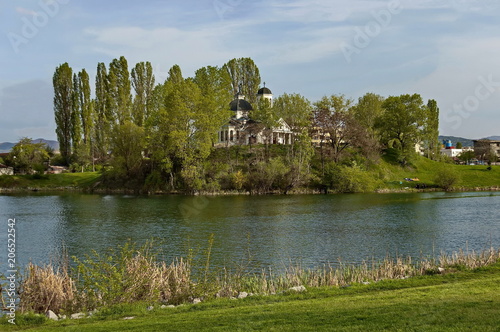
{"points": [[143, 82], [76, 123], [431, 129], [119, 90], [244, 74], [103, 116], [63, 108], [216, 94], [86, 107]]}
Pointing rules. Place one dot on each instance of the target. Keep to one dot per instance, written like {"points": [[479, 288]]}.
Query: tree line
{"points": [[162, 135]]}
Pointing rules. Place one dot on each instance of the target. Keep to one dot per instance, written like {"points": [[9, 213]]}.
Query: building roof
{"points": [[240, 105], [264, 91]]}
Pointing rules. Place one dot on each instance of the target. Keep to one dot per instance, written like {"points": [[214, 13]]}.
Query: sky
{"points": [[446, 50]]}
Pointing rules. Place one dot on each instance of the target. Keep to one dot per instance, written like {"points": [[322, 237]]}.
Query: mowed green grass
{"points": [[50, 181], [464, 301]]}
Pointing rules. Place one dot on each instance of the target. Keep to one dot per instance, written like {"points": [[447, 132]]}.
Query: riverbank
{"points": [[389, 179], [454, 300]]}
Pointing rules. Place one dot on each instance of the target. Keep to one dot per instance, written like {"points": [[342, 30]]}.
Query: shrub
{"points": [[446, 178]]}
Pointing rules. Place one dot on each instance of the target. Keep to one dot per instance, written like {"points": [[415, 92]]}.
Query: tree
{"points": [[103, 115], [76, 122], [430, 131], [336, 125], [63, 108], [27, 156], [86, 106], [244, 75], [143, 82], [367, 110], [297, 112], [466, 156], [215, 96], [127, 144], [401, 124], [459, 145], [119, 90]]}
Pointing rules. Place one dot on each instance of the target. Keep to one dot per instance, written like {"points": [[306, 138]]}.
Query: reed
{"points": [[136, 275]]}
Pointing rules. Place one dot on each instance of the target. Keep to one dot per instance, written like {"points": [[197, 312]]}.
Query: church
{"points": [[243, 130]]}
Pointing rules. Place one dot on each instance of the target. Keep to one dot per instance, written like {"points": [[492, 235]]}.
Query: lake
{"points": [[254, 231]]}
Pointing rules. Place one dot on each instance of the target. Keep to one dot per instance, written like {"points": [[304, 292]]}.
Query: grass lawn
{"points": [[50, 181], [463, 301]]}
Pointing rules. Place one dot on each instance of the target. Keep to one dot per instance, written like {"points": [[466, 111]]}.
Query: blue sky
{"points": [[447, 50]]}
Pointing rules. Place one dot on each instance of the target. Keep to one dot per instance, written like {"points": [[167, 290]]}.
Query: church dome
{"points": [[240, 105], [264, 91]]}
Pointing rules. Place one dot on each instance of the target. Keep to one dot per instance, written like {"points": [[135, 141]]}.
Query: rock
{"points": [[127, 318], [298, 289], [51, 315], [196, 301], [242, 295], [61, 316], [441, 270], [78, 315], [365, 283], [150, 308]]}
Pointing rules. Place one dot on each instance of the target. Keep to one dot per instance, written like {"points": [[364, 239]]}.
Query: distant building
{"points": [[241, 129], [5, 170], [483, 147]]}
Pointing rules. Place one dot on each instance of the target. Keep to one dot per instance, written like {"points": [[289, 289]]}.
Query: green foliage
{"points": [[245, 77], [401, 123], [446, 178], [63, 108], [349, 179], [28, 157]]}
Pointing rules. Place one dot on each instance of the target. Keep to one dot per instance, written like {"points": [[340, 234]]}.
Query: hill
{"points": [[6, 147]]}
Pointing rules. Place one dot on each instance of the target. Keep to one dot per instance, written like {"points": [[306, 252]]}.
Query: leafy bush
{"points": [[446, 178], [345, 179]]}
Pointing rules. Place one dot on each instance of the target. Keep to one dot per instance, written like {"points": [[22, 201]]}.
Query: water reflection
{"points": [[257, 231]]}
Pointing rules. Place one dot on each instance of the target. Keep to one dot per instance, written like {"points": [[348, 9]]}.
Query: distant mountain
{"points": [[6, 147], [454, 140], [494, 138]]}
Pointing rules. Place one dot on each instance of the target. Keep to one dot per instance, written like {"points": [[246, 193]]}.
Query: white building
{"points": [[243, 130], [5, 170]]}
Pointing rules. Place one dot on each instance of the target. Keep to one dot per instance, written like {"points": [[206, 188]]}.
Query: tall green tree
{"points": [[431, 130], [127, 144], [244, 75], [86, 107], [215, 96], [297, 112], [63, 108], [103, 116], [143, 82], [401, 124], [76, 122], [368, 109], [119, 90]]}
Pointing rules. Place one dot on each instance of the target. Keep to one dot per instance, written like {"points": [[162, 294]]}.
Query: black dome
{"points": [[264, 91], [240, 105]]}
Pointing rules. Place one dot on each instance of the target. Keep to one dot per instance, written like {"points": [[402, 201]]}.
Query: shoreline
{"points": [[124, 191]]}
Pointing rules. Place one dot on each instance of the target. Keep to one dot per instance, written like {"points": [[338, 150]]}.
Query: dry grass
{"points": [[135, 275], [46, 288]]}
